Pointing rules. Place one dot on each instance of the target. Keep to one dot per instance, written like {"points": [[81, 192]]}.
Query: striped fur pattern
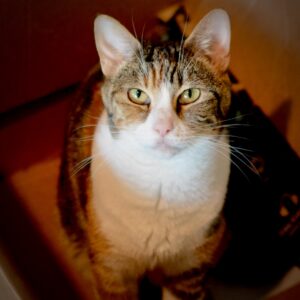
{"points": [[104, 117], [169, 63]]}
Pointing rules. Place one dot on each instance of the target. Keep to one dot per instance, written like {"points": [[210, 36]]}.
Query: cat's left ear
{"points": [[114, 43], [211, 37]]}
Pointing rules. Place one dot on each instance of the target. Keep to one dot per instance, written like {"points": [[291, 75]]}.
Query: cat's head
{"points": [[165, 97]]}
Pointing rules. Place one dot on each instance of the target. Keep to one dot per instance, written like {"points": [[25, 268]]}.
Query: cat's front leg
{"points": [[114, 285], [115, 275], [189, 285], [168, 295]]}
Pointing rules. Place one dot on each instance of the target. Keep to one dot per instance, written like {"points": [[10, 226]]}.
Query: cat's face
{"points": [[165, 97]]}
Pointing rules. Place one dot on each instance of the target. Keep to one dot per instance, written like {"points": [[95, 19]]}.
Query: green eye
{"points": [[189, 96], [138, 96]]}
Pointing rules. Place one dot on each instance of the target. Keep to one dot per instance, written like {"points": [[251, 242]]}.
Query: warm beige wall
{"points": [[265, 53]]}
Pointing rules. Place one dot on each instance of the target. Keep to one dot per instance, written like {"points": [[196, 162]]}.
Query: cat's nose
{"points": [[163, 127]]}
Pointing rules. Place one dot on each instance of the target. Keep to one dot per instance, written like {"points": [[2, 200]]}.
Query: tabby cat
{"points": [[144, 175]]}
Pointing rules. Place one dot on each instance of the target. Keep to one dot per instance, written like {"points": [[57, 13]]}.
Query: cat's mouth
{"points": [[165, 147]]}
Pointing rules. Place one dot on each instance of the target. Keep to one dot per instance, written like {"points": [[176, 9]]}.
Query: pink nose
{"points": [[163, 127]]}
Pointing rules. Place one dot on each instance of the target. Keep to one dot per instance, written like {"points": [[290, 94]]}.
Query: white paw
{"points": [[167, 295]]}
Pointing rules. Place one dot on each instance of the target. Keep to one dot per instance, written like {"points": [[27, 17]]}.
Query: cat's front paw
{"points": [[168, 295]]}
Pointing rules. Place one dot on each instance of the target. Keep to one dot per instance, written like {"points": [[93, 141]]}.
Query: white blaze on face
{"points": [[162, 117], [162, 120]]}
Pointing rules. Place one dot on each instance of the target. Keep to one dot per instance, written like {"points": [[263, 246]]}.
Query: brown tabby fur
{"points": [[77, 216]]}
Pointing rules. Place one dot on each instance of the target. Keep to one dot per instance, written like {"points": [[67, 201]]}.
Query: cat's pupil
{"points": [[190, 93], [138, 93]]}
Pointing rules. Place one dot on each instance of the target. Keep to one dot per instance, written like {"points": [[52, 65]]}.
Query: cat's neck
{"points": [[197, 174]]}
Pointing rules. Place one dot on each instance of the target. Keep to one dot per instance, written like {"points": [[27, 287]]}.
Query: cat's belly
{"points": [[151, 229], [137, 229]]}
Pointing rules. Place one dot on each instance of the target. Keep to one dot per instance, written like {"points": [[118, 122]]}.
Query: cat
{"points": [[146, 163]]}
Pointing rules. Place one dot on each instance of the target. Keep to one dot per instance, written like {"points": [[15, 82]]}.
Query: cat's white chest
{"points": [[151, 207]]}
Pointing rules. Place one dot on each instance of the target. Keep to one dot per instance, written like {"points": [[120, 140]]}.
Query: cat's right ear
{"points": [[114, 43], [211, 37]]}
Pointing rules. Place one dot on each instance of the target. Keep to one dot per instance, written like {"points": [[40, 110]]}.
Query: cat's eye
{"points": [[189, 96], [138, 96]]}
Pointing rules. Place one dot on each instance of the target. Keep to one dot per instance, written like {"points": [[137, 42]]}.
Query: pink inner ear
{"points": [[115, 44], [211, 36], [220, 57], [110, 60]]}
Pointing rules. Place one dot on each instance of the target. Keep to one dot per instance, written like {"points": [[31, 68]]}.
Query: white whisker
{"points": [[140, 54], [181, 48], [235, 151], [82, 164], [84, 139], [219, 150], [91, 116], [84, 126]]}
